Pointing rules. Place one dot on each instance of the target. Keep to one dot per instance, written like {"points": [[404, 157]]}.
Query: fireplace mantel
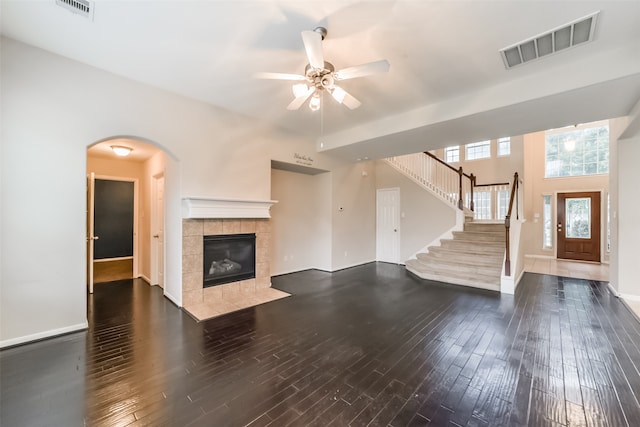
{"points": [[201, 208]]}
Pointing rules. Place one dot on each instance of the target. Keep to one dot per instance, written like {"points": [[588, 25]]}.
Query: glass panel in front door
{"points": [[578, 218]]}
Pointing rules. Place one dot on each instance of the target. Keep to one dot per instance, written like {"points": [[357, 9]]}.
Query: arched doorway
{"points": [[125, 211]]}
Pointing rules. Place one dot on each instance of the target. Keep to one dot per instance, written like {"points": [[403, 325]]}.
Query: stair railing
{"points": [[449, 183], [507, 223]]}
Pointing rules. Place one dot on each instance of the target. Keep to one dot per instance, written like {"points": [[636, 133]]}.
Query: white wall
{"points": [[300, 221], [425, 216], [624, 260], [353, 218], [52, 109]]}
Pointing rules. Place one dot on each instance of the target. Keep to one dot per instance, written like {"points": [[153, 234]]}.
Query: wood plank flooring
{"points": [[366, 346]]}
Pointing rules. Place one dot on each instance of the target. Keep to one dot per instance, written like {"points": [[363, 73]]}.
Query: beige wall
{"points": [[424, 217], [300, 221], [495, 169], [536, 185]]}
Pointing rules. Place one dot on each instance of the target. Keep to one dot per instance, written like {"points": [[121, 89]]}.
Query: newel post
{"points": [[473, 184], [460, 201], [507, 260]]}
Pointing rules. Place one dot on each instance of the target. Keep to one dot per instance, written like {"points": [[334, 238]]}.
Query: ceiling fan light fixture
{"points": [[300, 89], [121, 150], [314, 103]]}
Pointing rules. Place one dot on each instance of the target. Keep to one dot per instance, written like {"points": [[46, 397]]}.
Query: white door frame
{"points": [[154, 241], [388, 234], [135, 214], [91, 183]]}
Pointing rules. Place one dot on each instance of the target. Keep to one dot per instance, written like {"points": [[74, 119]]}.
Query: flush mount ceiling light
{"points": [[320, 76], [121, 150]]}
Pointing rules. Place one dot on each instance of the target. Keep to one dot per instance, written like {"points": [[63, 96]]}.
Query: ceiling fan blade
{"points": [[362, 70], [279, 76], [343, 97], [313, 45], [297, 102]]}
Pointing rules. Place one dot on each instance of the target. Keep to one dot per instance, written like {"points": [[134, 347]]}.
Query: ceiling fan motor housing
{"points": [[321, 79]]}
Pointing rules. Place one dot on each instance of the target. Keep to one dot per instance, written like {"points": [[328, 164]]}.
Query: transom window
{"points": [[478, 150], [504, 146], [577, 151], [452, 154]]}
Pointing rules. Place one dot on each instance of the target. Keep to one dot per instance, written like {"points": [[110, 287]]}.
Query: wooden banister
{"points": [[507, 224]]}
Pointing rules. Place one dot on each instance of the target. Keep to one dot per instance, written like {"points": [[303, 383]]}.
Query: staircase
{"points": [[474, 257]]}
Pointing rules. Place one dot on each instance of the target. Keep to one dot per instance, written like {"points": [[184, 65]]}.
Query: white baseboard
{"points": [[173, 299], [42, 335], [613, 290], [539, 256], [629, 297], [145, 278]]}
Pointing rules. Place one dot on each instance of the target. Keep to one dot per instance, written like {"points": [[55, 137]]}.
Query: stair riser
{"points": [[463, 257], [457, 269], [488, 228], [481, 247], [478, 237]]}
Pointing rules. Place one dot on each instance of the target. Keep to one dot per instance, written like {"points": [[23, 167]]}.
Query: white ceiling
{"points": [[447, 82]]}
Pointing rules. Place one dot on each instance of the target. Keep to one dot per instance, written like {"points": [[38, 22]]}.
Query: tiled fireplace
{"points": [[204, 302]]}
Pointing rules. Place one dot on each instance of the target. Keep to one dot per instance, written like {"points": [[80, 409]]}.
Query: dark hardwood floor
{"points": [[367, 346]]}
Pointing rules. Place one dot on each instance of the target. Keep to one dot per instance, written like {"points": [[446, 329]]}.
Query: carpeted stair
{"points": [[472, 258]]}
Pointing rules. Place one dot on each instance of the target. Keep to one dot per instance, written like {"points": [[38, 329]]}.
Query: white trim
{"points": [[629, 297], [613, 290], [136, 213], [201, 208], [539, 256], [45, 334], [173, 299], [145, 278]]}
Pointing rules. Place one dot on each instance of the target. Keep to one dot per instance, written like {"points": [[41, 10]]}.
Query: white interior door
{"points": [[388, 225], [91, 183], [157, 240]]}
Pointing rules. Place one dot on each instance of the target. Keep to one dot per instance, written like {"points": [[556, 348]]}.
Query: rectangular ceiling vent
{"points": [[81, 7], [566, 36]]}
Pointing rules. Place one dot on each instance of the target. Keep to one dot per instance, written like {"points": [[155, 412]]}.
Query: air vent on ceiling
{"points": [[566, 36], [81, 7]]}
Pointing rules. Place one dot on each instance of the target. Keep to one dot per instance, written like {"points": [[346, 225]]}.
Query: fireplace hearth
{"points": [[228, 258]]}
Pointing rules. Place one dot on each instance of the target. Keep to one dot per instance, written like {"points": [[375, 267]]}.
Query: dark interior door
{"points": [[113, 219], [579, 226]]}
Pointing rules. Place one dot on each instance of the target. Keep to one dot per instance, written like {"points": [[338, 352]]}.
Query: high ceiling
{"points": [[447, 83]]}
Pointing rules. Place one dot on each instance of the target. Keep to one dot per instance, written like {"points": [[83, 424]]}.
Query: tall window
{"points": [[504, 146], [577, 151], [478, 150], [452, 154], [547, 238], [482, 205], [502, 204]]}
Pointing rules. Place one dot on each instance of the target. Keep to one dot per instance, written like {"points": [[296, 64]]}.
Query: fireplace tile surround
{"points": [[203, 303]]}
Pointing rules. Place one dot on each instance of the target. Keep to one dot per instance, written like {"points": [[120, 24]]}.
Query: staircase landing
{"points": [[474, 257]]}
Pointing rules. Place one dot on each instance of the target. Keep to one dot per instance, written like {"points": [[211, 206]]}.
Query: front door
{"points": [[578, 226], [388, 225]]}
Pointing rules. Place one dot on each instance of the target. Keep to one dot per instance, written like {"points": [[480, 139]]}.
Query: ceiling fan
{"points": [[320, 76]]}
